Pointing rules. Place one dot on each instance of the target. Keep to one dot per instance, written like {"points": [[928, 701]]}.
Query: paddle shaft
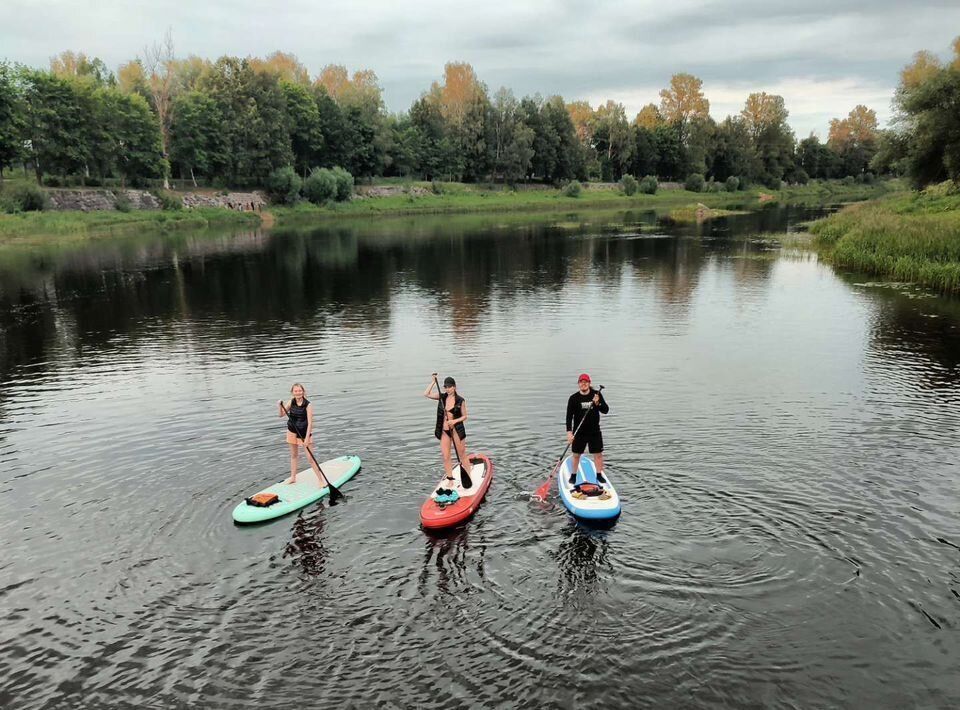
{"points": [[542, 490], [464, 476], [334, 491]]}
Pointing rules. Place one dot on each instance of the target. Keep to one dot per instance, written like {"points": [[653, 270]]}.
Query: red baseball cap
{"points": [[584, 376]]}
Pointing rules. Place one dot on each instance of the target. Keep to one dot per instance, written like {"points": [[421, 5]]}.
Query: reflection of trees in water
{"points": [[250, 286]]}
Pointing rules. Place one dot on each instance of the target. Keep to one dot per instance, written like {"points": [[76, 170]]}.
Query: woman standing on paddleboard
{"points": [[299, 416], [451, 414]]}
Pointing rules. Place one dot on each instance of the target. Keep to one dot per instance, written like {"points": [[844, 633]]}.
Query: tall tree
{"points": [[854, 138], [649, 117], [683, 101], [612, 139], [196, 136], [286, 67], [77, 65], [11, 119], [304, 125], [158, 64], [57, 114]]}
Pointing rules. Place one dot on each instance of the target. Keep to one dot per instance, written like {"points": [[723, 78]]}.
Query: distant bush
{"points": [[732, 184], [436, 187], [24, 198], [848, 180], [53, 181], [170, 201], [868, 178], [713, 186], [8, 205], [648, 185], [122, 203], [694, 182], [629, 184], [344, 184], [572, 189], [320, 186], [283, 186]]}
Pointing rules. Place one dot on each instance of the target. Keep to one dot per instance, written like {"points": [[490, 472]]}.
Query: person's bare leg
{"points": [[445, 451], [313, 465], [293, 464]]}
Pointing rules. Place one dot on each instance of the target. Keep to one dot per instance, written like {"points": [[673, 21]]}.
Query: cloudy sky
{"points": [[822, 56]]}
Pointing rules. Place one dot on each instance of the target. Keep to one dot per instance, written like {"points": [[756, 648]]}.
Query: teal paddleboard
{"points": [[305, 491]]}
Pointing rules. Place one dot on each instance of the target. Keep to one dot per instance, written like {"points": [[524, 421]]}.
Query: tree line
{"points": [[235, 121]]}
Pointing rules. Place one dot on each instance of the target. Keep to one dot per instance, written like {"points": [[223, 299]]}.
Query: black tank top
{"points": [[455, 413], [297, 417]]}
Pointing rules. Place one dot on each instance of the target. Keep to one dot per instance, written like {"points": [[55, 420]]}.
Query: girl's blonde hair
{"points": [[297, 384]]}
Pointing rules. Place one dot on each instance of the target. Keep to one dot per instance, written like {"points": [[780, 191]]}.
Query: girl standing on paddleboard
{"points": [[299, 416], [451, 414]]}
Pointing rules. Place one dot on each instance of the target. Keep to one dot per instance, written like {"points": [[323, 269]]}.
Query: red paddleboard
{"points": [[434, 516]]}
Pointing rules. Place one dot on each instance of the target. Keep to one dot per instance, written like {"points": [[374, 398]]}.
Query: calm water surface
{"points": [[784, 438]]}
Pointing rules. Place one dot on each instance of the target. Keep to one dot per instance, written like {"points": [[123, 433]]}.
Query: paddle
{"points": [[335, 493], [465, 479], [543, 491]]}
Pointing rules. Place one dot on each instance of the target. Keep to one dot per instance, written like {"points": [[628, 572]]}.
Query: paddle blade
{"points": [[543, 491], [465, 479], [335, 494]]}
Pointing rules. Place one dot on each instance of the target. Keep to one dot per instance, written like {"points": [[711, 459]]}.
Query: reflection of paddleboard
{"points": [[305, 491], [434, 515], [590, 507]]}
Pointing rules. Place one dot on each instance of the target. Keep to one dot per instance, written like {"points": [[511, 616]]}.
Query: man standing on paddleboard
{"points": [[586, 402]]}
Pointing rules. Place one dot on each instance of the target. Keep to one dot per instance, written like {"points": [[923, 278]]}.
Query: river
{"points": [[784, 439]]}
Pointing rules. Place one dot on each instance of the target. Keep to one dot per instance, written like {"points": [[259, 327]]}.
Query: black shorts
{"points": [[594, 441]]}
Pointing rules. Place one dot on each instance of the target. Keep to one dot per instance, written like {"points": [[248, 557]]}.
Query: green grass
{"points": [[44, 225], [912, 237]]}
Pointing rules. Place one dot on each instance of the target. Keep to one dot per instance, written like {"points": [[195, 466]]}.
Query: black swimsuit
{"points": [[455, 413], [297, 417]]}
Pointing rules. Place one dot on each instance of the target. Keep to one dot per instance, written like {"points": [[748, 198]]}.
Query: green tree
{"points": [[613, 140], [304, 124], [196, 138], [11, 119], [57, 115], [126, 137], [255, 129], [644, 160]]}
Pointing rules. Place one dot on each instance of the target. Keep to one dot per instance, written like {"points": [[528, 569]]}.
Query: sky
{"points": [[823, 56]]}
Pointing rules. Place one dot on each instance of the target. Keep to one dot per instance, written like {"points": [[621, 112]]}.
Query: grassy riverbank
{"points": [[40, 225], [424, 198], [908, 236], [465, 198]]}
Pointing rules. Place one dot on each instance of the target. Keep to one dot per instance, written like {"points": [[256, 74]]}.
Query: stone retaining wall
{"points": [[94, 200]]}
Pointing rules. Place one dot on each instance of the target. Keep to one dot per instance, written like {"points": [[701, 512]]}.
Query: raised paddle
{"points": [[543, 491], [335, 493], [465, 479]]}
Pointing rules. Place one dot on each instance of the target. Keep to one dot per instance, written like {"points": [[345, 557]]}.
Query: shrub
{"points": [[344, 182], [848, 180], [648, 185], [572, 189], [732, 184], [53, 181], [169, 200], [283, 186], [629, 184], [713, 186], [8, 205], [869, 178], [694, 182], [436, 187], [122, 203], [27, 197], [320, 186]]}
